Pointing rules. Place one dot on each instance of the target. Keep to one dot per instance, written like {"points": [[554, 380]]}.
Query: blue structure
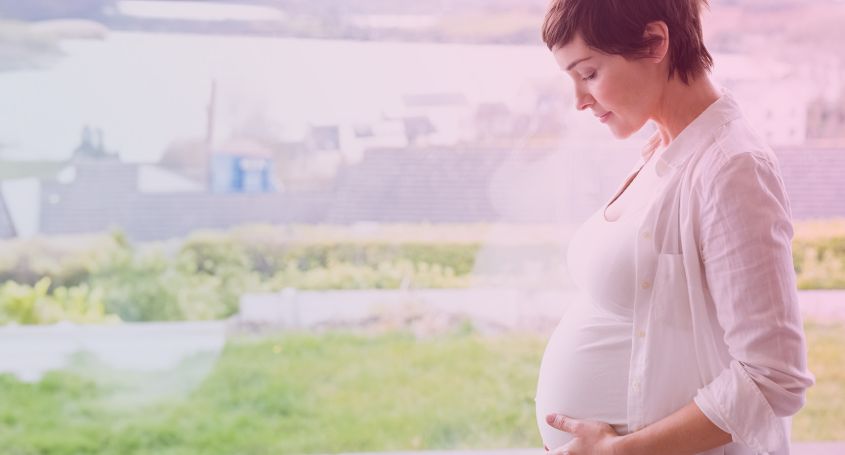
{"points": [[241, 174]]}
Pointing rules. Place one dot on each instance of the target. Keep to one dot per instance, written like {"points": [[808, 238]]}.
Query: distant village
{"points": [[438, 160], [437, 157], [432, 162]]}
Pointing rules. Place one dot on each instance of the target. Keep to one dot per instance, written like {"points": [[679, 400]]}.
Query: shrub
{"points": [[24, 304], [818, 252], [151, 285], [203, 277], [67, 261], [387, 275]]}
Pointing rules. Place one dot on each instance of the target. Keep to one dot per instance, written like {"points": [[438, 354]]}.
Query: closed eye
{"points": [[590, 77]]}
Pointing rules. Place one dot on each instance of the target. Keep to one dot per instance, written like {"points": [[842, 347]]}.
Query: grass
{"points": [[335, 392], [823, 416]]}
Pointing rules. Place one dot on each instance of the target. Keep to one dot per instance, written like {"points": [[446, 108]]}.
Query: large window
{"points": [[277, 226]]}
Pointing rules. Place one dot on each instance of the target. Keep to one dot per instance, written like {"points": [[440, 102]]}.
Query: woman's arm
{"points": [[687, 431], [744, 229]]}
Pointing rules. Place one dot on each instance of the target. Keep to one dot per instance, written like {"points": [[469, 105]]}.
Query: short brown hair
{"points": [[617, 26]]}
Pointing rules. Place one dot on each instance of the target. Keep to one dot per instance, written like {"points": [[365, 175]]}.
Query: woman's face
{"points": [[621, 93]]}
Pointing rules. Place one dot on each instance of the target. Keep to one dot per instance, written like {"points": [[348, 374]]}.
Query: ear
{"points": [[657, 34]]}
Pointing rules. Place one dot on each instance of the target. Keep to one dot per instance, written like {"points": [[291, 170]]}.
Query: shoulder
{"points": [[739, 176], [736, 152]]}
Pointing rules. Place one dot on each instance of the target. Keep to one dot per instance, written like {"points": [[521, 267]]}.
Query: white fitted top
{"points": [[584, 372]]}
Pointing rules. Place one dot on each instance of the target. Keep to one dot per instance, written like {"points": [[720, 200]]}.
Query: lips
{"points": [[603, 118]]}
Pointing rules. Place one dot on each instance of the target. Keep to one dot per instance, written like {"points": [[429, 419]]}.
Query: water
{"points": [[147, 90]]}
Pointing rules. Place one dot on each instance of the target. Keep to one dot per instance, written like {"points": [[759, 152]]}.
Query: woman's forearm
{"points": [[687, 431]]}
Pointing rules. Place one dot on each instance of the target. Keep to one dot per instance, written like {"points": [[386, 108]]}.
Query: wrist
{"points": [[627, 445]]}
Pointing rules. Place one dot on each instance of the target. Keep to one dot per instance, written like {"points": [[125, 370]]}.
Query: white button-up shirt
{"points": [[716, 316]]}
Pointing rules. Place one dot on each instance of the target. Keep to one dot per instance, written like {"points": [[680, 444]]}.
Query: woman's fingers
{"points": [[563, 423]]}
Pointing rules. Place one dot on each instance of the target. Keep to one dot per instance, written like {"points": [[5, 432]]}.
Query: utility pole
{"points": [[209, 134], [209, 126]]}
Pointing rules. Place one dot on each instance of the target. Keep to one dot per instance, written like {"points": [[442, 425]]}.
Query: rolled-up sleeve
{"points": [[745, 233]]}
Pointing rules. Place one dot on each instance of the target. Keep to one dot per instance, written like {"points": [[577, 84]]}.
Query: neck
{"points": [[680, 104]]}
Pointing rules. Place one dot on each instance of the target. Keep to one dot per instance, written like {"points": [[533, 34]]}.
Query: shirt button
{"points": [[647, 234], [636, 386], [646, 284], [640, 333]]}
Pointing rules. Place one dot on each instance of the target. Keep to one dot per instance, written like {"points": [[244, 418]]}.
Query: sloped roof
{"points": [[408, 185], [814, 180], [106, 196]]}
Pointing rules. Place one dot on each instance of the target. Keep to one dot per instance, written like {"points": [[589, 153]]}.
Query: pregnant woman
{"points": [[688, 339]]}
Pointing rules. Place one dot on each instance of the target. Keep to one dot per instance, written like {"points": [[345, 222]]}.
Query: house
{"points": [[7, 227], [150, 203], [450, 116], [242, 167], [782, 119], [826, 118]]}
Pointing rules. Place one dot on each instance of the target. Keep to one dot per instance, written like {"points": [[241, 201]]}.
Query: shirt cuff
{"points": [[735, 404]]}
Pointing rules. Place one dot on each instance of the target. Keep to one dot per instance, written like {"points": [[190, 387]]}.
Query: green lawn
{"points": [[330, 393], [823, 416]]}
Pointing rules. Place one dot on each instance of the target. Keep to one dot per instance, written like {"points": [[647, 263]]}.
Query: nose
{"points": [[582, 100]]}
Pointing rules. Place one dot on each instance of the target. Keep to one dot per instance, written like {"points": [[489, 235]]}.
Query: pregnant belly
{"points": [[584, 372]]}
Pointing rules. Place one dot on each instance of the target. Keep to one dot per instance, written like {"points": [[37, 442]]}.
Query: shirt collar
{"points": [[651, 146], [696, 135]]}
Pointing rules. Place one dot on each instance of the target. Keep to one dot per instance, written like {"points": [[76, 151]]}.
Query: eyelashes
{"points": [[590, 77]]}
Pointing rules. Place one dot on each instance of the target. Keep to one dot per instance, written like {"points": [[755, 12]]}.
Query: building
{"points": [[826, 118], [242, 167], [433, 185], [7, 227]]}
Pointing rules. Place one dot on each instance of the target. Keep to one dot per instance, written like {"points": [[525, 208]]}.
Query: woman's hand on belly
{"points": [[589, 437]]}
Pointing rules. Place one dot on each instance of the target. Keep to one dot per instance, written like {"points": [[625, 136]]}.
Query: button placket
{"points": [[642, 303]]}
